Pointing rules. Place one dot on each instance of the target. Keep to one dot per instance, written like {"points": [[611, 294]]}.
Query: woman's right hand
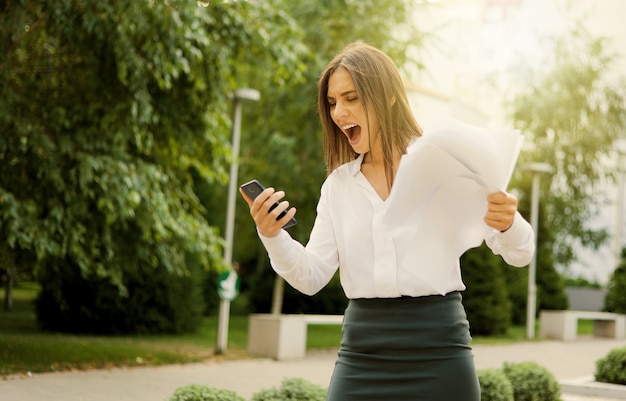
{"points": [[266, 221]]}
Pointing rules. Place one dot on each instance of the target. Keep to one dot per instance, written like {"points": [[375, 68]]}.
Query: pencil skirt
{"points": [[405, 349]]}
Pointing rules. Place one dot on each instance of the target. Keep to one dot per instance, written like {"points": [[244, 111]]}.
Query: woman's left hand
{"points": [[501, 208]]}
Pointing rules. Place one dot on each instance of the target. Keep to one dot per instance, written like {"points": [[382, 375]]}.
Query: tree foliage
{"points": [[108, 111], [550, 285], [282, 142], [572, 112], [157, 302]]}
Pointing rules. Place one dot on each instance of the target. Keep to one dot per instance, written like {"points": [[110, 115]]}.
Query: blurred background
{"points": [[116, 127], [474, 65]]}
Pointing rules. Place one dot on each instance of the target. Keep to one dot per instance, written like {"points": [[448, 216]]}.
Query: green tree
{"points": [[571, 113], [486, 299], [282, 142], [108, 110], [550, 285]]}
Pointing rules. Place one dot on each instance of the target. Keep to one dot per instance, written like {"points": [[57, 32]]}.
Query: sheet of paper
{"points": [[436, 207]]}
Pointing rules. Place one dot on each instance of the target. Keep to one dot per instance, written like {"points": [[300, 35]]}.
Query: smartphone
{"points": [[253, 189]]}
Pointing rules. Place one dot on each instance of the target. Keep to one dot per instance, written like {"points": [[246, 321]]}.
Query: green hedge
{"points": [[524, 381], [157, 301], [616, 295], [494, 386], [195, 392], [486, 298], [532, 382], [292, 389], [612, 368]]}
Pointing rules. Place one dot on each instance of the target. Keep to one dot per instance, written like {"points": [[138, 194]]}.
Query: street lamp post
{"points": [[531, 304], [224, 312]]}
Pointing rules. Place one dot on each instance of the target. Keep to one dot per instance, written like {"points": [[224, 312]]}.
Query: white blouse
{"points": [[349, 233]]}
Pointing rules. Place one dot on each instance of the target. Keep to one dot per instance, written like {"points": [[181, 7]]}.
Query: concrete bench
{"points": [[283, 336], [563, 324]]}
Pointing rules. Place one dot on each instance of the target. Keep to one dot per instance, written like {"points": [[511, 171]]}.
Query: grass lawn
{"points": [[24, 349]]}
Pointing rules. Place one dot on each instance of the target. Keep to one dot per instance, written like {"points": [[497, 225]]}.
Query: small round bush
{"points": [[196, 392], [612, 368], [494, 385], [532, 382], [292, 389]]}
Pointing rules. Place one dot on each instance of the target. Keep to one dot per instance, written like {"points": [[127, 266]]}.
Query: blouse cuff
{"points": [[281, 251], [513, 234]]}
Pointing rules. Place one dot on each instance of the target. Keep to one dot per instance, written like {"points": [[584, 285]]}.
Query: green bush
{"points": [[494, 386], [196, 392], [485, 299], [157, 301], [612, 368], [292, 389], [616, 294], [532, 382]]}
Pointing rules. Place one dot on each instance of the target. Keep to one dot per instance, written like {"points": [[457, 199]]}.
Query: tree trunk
{"points": [[8, 290], [277, 296]]}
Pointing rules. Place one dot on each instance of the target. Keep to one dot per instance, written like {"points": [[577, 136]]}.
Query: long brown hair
{"points": [[380, 88]]}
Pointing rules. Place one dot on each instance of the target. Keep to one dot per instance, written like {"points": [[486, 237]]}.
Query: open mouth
{"points": [[353, 132]]}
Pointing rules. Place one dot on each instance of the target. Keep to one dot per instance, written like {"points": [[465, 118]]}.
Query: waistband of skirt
{"points": [[405, 300]]}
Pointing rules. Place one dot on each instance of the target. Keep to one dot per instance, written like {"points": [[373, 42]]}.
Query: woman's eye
{"points": [[352, 99]]}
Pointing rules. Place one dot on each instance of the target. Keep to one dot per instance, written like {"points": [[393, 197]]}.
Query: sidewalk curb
{"points": [[589, 387]]}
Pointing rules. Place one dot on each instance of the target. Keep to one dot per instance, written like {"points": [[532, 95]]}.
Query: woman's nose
{"points": [[339, 111]]}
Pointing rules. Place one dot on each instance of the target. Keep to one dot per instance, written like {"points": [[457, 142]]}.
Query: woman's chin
{"points": [[356, 143], [359, 149]]}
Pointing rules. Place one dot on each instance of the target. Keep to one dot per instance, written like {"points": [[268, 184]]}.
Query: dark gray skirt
{"points": [[405, 349]]}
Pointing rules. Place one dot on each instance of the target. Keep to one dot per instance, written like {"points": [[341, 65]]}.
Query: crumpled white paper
{"points": [[439, 198]]}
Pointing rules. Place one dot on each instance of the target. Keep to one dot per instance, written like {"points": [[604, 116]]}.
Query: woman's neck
{"points": [[376, 159]]}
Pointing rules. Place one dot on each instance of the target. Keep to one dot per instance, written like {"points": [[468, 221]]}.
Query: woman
{"points": [[402, 340]]}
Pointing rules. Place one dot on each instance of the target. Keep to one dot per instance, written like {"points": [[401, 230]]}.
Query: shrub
{"points": [[615, 300], [292, 389], [612, 368], [532, 382], [494, 385], [157, 301], [196, 392], [486, 299]]}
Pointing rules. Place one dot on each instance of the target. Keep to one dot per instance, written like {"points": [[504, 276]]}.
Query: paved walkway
{"points": [[566, 360]]}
